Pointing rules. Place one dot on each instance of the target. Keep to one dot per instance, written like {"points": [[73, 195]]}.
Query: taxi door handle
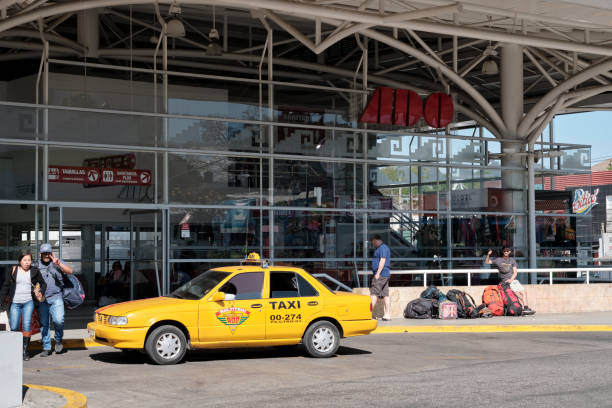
{"points": [[256, 305], [313, 303]]}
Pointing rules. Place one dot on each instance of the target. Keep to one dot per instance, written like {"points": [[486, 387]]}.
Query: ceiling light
{"points": [[175, 28], [214, 50], [489, 66]]}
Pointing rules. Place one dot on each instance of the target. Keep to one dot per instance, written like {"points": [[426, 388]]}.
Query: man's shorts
{"points": [[516, 286], [380, 286]]}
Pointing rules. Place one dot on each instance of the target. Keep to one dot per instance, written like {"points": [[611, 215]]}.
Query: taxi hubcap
{"points": [[168, 345], [323, 339]]}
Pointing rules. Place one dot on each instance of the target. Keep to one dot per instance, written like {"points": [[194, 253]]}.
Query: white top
{"points": [[23, 290]]}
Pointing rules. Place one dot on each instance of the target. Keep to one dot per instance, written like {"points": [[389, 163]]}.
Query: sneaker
{"points": [[45, 353], [527, 311], [59, 347]]}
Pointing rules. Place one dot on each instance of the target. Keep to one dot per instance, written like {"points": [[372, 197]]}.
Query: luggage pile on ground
{"points": [[497, 300]]}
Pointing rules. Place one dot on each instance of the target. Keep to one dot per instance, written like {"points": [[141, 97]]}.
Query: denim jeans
{"points": [[20, 311], [51, 310]]}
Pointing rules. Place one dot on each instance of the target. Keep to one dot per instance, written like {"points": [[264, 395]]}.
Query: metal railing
{"points": [[582, 274], [334, 280]]}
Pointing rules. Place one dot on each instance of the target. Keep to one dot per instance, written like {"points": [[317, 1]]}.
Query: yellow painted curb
{"points": [[69, 344], [494, 328], [73, 399]]}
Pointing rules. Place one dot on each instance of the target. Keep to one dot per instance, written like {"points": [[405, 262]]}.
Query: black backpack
{"points": [[421, 309], [430, 293], [465, 304], [433, 292]]}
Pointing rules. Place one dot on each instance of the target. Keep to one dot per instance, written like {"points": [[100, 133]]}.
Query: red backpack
{"points": [[493, 299], [512, 306]]}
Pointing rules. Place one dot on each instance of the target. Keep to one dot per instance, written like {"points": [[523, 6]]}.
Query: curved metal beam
{"points": [[556, 92], [313, 11], [49, 36], [22, 45]]}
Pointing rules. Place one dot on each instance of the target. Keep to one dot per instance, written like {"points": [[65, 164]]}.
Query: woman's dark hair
{"points": [[22, 255]]}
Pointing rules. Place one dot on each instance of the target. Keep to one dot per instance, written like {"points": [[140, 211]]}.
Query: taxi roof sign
{"points": [[253, 258]]}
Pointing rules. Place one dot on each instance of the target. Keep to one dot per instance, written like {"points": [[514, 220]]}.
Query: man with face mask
{"points": [[52, 308]]}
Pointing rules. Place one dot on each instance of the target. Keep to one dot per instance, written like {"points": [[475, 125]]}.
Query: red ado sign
{"points": [[402, 107]]}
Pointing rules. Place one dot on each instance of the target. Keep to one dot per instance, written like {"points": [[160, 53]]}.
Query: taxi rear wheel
{"points": [[322, 339], [166, 345]]}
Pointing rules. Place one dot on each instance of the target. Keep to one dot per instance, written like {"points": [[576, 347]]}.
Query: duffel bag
{"points": [[72, 291], [421, 309]]}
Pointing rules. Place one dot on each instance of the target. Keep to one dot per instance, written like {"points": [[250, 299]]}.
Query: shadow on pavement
{"points": [[24, 391], [136, 357]]}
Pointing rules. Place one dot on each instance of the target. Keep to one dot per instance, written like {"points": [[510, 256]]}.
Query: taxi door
{"points": [[239, 318], [291, 305]]}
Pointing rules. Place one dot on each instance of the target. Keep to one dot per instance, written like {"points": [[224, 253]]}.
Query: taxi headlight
{"points": [[117, 320]]}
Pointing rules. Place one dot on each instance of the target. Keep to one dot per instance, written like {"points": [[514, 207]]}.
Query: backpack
{"points": [[465, 304], [492, 298], [72, 291], [483, 311], [421, 309], [433, 292], [512, 306]]}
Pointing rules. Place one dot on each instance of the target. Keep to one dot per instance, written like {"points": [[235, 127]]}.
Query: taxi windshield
{"points": [[199, 286]]}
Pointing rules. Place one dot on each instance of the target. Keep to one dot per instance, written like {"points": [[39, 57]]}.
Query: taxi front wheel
{"points": [[166, 345], [322, 339]]}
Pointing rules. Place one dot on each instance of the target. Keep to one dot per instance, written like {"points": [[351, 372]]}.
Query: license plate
{"points": [[92, 333]]}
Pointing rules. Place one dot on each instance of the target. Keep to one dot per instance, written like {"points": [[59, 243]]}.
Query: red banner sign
{"points": [[95, 176], [70, 174]]}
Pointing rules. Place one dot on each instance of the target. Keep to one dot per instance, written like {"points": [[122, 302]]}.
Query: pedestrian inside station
{"points": [[149, 142]]}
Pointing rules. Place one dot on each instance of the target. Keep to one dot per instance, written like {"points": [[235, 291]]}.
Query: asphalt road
{"points": [[386, 370]]}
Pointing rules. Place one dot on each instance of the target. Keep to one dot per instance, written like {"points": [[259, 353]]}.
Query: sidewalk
{"points": [[560, 322], [587, 318]]}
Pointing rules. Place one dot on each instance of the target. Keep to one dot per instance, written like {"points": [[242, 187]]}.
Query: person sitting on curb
{"points": [[507, 268]]}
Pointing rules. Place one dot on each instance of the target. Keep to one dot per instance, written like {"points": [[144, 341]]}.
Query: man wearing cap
{"points": [[52, 308]]}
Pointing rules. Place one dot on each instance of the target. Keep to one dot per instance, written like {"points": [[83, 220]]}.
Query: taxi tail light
{"points": [[370, 306]]}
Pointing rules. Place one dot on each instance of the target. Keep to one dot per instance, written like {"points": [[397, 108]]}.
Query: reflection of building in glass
{"points": [[171, 196]]}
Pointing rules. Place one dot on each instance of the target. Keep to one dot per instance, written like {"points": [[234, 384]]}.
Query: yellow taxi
{"points": [[249, 305]]}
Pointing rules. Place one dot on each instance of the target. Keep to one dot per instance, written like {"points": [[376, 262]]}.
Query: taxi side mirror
{"points": [[218, 297]]}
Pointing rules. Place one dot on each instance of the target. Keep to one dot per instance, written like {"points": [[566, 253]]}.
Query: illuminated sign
{"points": [[584, 201]]}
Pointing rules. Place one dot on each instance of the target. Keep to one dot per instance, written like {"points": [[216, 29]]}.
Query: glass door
{"points": [[116, 253]]}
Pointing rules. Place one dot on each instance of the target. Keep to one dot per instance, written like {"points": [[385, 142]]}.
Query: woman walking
{"points": [[22, 288]]}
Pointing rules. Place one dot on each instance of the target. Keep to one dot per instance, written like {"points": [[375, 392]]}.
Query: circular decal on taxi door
{"points": [[233, 317]]}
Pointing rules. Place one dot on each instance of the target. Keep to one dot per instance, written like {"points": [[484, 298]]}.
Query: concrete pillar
{"points": [[11, 369], [514, 182], [89, 31]]}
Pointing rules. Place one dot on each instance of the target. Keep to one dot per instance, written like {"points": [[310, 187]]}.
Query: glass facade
{"points": [[223, 173]]}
